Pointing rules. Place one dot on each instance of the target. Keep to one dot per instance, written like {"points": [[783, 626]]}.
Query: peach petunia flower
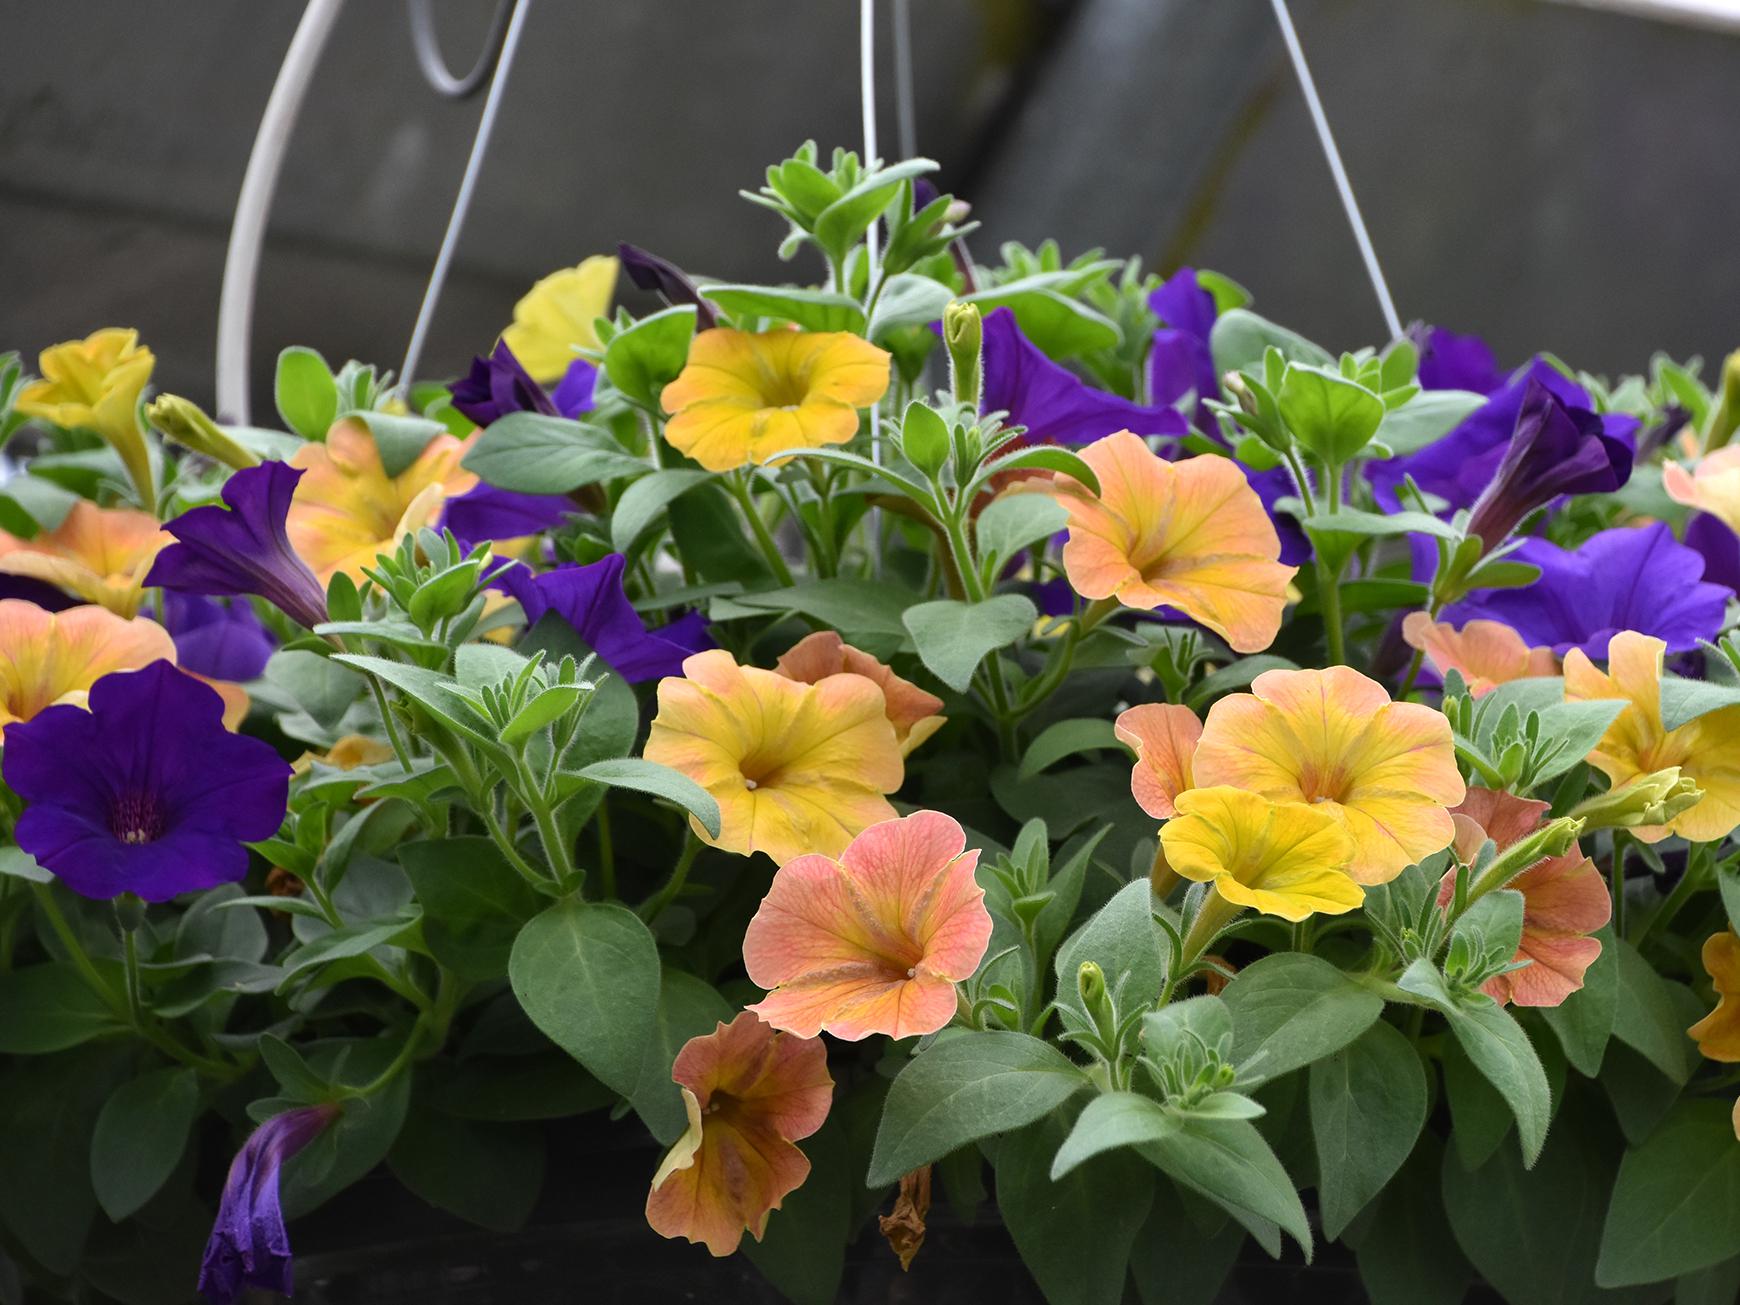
{"points": [[742, 397], [751, 1093], [1485, 653], [1281, 858], [95, 384], [347, 511], [98, 554], [911, 710], [1164, 739], [1713, 486], [794, 767], [876, 941], [1564, 900], [47, 658], [1332, 737], [556, 316], [1191, 535], [1718, 1033], [1707, 750]]}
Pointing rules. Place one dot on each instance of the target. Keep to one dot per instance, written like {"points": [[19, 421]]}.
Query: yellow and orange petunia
{"points": [[98, 554], [48, 658], [1281, 858], [1718, 1033], [750, 1093], [1191, 535], [95, 384], [556, 317], [911, 710], [1707, 750], [1713, 486], [875, 941], [1387, 770], [1164, 739], [1485, 653], [347, 511], [794, 767], [742, 398]]}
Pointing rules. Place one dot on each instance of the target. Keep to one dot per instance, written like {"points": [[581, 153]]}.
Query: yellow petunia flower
{"points": [[1718, 1033], [556, 315], [50, 658], [94, 384], [741, 398], [347, 510], [98, 554], [794, 767], [1706, 750], [1280, 858], [1386, 770]]}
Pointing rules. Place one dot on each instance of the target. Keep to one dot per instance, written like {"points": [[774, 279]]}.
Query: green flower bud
{"points": [[1725, 420], [1652, 799], [1090, 982], [1554, 838], [964, 334], [183, 421]]}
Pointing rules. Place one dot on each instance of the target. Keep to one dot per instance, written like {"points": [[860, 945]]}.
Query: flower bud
{"points": [[1652, 799], [964, 334], [1725, 420], [183, 421], [1090, 982], [1555, 838]]}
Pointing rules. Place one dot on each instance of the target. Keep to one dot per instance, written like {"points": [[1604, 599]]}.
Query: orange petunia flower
{"points": [[794, 767], [98, 554], [1485, 653], [47, 658], [1718, 1033], [1713, 486], [751, 1093], [1706, 750], [743, 397], [1164, 739], [911, 710], [1386, 769], [347, 511], [1191, 535], [876, 941], [1564, 900]]}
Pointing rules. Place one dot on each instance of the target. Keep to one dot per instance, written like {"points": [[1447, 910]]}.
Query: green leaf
{"points": [[355, 939], [1480, 1118], [1060, 327], [1368, 1104], [952, 637], [1008, 525], [399, 437], [1332, 417], [661, 781], [19, 864], [429, 689], [1646, 1017], [1292, 1008], [1683, 701], [1583, 1022], [1240, 338], [487, 1174], [688, 1007], [1184, 1252], [1109, 1122], [1425, 419], [908, 300], [1229, 1162], [549, 704], [803, 1252], [361, 1137], [48, 1110], [1676, 1203], [813, 310], [642, 502], [1065, 738], [588, 975], [1495, 921], [531, 453], [963, 1088], [474, 903], [1579, 726], [314, 684], [46, 1008], [1404, 1256], [29, 504], [838, 226], [1351, 521], [1717, 1285], [924, 437], [850, 606], [140, 1135], [646, 357], [305, 393], [1123, 940], [1042, 457]]}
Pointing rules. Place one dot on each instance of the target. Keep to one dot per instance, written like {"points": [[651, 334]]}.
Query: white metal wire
{"points": [[872, 255]]}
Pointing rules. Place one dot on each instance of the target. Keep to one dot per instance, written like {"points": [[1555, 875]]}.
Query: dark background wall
{"points": [[1551, 177]]}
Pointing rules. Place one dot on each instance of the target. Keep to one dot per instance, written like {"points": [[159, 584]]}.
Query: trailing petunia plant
{"points": [[1024, 731]]}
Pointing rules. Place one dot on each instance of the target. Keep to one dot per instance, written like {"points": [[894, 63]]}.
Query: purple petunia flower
{"points": [[1712, 539], [499, 384], [50, 598], [486, 512], [249, 1245], [591, 599], [146, 793], [1629, 578], [573, 394], [244, 550], [1181, 361], [216, 640], [650, 272], [1449, 361]]}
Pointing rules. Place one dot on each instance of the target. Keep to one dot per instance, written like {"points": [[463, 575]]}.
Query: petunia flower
{"points": [[1449, 361], [1485, 653], [591, 600], [1280, 858], [222, 644], [1713, 486], [145, 793], [751, 1093], [1164, 739], [1190, 535], [911, 710], [875, 941], [244, 547], [1713, 540], [498, 385], [1628, 578], [1718, 1033], [347, 511], [95, 384], [1387, 770], [742, 398], [490, 513], [1706, 750], [249, 1246], [50, 658], [1565, 900], [556, 317], [99, 554], [794, 767], [650, 272], [1180, 360]]}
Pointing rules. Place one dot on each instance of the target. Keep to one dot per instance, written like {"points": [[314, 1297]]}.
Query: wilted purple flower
{"points": [[1629, 578], [499, 384], [1180, 361], [220, 641], [486, 512], [146, 793], [249, 1245], [591, 599], [1449, 361], [663, 277], [243, 550]]}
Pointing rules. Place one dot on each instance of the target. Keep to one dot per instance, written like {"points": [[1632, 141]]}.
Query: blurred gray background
{"points": [[1549, 176]]}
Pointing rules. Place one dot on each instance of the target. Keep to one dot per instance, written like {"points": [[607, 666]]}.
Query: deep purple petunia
{"points": [[573, 394], [1449, 361], [220, 641], [650, 272], [50, 598], [486, 512], [1630, 578], [145, 793], [1712, 539], [243, 550], [249, 1245], [1180, 361], [499, 384], [591, 599]]}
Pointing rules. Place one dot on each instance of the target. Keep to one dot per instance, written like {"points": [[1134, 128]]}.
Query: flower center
{"points": [[136, 818]]}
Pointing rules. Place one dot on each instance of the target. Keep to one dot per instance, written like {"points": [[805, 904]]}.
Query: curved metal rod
{"points": [[254, 204], [433, 64]]}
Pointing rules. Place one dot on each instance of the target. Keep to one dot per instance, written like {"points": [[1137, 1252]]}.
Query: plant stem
{"points": [[76, 950], [399, 749], [135, 991], [606, 853], [655, 905], [1621, 845], [738, 483]]}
